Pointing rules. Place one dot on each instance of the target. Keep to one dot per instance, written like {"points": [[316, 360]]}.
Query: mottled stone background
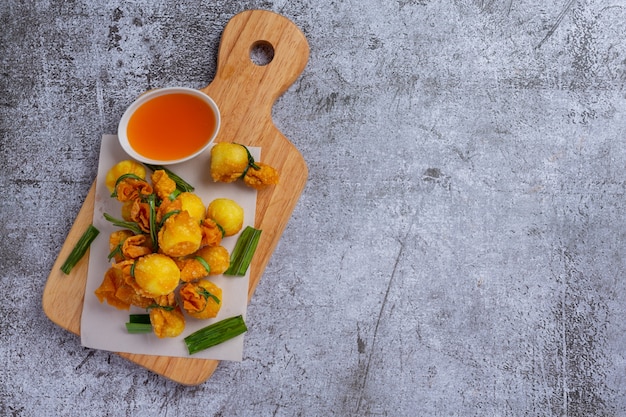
{"points": [[458, 250]]}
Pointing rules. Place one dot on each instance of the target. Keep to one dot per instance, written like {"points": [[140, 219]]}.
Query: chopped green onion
{"points": [[152, 220], [166, 216], [206, 294], [181, 184], [139, 323], [139, 318], [204, 263], [174, 194], [215, 334], [138, 328], [251, 163], [79, 250], [244, 250], [116, 251], [132, 226]]}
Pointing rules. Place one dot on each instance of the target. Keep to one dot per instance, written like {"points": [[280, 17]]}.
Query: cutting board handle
{"points": [[258, 85]]}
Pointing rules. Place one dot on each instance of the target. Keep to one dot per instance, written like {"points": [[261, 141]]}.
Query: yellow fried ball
{"points": [[228, 162], [157, 274], [202, 299], [192, 204], [167, 323], [227, 213], [121, 168], [261, 177], [180, 235], [217, 257]]}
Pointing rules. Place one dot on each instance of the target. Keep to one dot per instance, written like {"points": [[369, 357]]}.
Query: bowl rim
{"points": [[149, 95]]}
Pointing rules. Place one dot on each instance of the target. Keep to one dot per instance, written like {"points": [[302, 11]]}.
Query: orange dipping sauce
{"points": [[171, 126]]}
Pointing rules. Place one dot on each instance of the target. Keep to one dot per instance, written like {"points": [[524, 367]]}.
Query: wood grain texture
{"points": [[245, 93]]}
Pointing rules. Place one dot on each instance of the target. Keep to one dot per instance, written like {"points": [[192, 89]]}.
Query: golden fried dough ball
{"points": [[180, 235], [202, 299], [217, 257], [157, 274], [192, 204], [167, 323], [227, 213], [121, 168], [228, 162], [191, 269], [262, 177]]}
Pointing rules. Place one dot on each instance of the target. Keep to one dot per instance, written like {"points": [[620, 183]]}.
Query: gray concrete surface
{"points": [[458, 250]]}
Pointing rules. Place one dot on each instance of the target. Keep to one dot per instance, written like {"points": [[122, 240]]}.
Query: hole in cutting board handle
{"points": [[261, 53]]}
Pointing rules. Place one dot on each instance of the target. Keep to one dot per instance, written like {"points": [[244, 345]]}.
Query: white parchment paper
{"points": [[103, 326]]}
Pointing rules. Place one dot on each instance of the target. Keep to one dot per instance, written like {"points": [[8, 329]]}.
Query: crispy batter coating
{"points": [[211, 233], [112, 280], [191, 269], [163, 185], [228, 162], [180, 235], [193, 204], [131, 189], [227, 213], [202, 299], [121, 168], [117, 293], [140, 214], [156, 274], [116, 241], [167, 206], [262, 177], [217, 257], [136, 246], [167, 323], [129, 295], [125, 267]]}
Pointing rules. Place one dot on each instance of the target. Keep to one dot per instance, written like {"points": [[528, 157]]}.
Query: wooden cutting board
{"points": [[245, 93]]}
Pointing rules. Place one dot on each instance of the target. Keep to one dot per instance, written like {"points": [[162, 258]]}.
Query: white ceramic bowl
{"points": [[146, 156]]}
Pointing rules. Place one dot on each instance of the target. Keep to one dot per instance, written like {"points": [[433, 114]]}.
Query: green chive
{"points": [[153, 227], [244, 251], [251, 163], [215, 334], [116, 251], [138, 328], [204, 263], [139, 318], [79, 250], [174, 194], [166, 216], [206, 294], [122, 178], [132, 226]]}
